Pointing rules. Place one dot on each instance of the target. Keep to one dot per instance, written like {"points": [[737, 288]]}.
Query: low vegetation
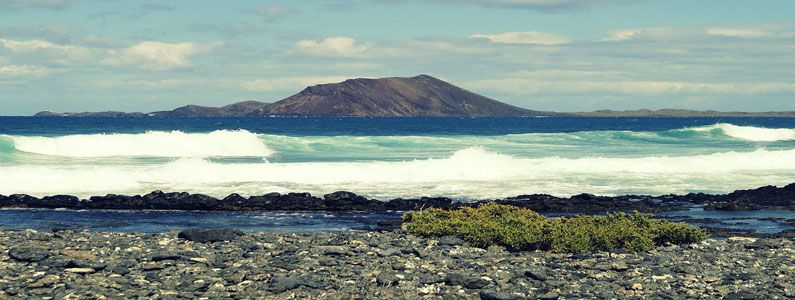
{"points": [[523, 229]]}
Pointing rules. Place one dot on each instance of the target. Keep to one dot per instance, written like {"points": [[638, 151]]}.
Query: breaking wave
{"points": [[220, 143], [467, 173], [751, 133]]}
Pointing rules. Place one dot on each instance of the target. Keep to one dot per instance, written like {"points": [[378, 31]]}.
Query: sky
{"points": [[560, 55]]}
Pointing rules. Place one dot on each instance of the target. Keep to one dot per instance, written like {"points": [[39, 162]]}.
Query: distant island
{"points": [[421, 95]]}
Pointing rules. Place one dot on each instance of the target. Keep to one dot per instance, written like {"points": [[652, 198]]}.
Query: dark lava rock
{"points": [[387, 279], [17, 200], [77, 263], [470, 282], [28, 254], [287, 262], [449, 240], [537, 273], [210, 235], [764, 244], [160, 256], [549, 296], [347, 201], [492, 294], [417, 204], [59, 201], [734, 205], [275, 201], [282, 283]]}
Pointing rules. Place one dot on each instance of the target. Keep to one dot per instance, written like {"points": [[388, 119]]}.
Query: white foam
{"points": [[751, 133], [469, 173], [220, 143]]}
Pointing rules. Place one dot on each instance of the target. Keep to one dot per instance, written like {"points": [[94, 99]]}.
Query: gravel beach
{"points": [[364, 265]]}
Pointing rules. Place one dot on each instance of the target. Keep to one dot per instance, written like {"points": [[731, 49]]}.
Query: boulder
{"points": [[28, 254]]}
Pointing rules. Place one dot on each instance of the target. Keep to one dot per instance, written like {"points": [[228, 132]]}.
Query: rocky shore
{"points": [[217, 264], [769, 197]]}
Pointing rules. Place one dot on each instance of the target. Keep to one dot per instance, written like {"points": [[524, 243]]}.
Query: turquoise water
{"points": [[458, 158]]}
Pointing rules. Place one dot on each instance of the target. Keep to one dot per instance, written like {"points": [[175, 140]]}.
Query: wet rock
{"points": [[347, 201], [210, 235]]}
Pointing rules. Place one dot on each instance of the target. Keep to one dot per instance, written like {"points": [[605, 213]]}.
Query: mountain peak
{"points": [[421, 95]]}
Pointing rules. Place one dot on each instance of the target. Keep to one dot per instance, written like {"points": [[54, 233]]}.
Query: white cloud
{"points": [[622, 35], [526, 38], [738, 32], [23, 71], [155, 55], [34, 45], [287, 83], [44, 51], [334, 46]]}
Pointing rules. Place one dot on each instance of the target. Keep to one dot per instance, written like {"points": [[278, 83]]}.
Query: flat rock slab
{"points": [[28, 254], [210, 235]]}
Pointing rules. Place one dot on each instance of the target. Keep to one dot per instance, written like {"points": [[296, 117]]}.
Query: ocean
{"points": [[383, 158], [461, 158]]}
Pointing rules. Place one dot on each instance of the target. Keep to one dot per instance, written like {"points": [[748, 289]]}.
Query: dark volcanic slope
{"points": [[421, 95], [233, 110]]}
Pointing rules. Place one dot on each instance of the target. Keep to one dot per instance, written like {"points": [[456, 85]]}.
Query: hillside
{"points": [[421, 95]]}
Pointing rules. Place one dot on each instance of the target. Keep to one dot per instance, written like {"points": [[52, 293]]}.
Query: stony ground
{"points": [[386, 265]]}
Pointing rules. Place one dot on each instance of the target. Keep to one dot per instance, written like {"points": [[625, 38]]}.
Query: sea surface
{"points": [[462, 158], [383, 158]]}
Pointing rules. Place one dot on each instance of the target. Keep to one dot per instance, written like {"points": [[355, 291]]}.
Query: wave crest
{"points": [[467, 173], [219, 143], [751, 133]]}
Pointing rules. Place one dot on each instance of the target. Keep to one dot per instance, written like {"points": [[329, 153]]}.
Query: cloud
{"points": [[287, 83], [272, 12], [334, 46], [23, 71], [47, 51], [738, 32], [538, 5], [525, 38], [153, 55], [533, 86], [35, 4], [622, 35]]}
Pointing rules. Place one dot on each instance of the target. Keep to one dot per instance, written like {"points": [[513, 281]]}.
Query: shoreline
{"points": [[767, 197], [389, 264]]}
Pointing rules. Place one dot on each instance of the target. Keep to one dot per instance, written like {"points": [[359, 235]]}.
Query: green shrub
{"points": [[523, 229], [489, 224]]}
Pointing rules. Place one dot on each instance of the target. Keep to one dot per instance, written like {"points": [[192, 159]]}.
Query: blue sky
{"points": [[564, 55]]}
